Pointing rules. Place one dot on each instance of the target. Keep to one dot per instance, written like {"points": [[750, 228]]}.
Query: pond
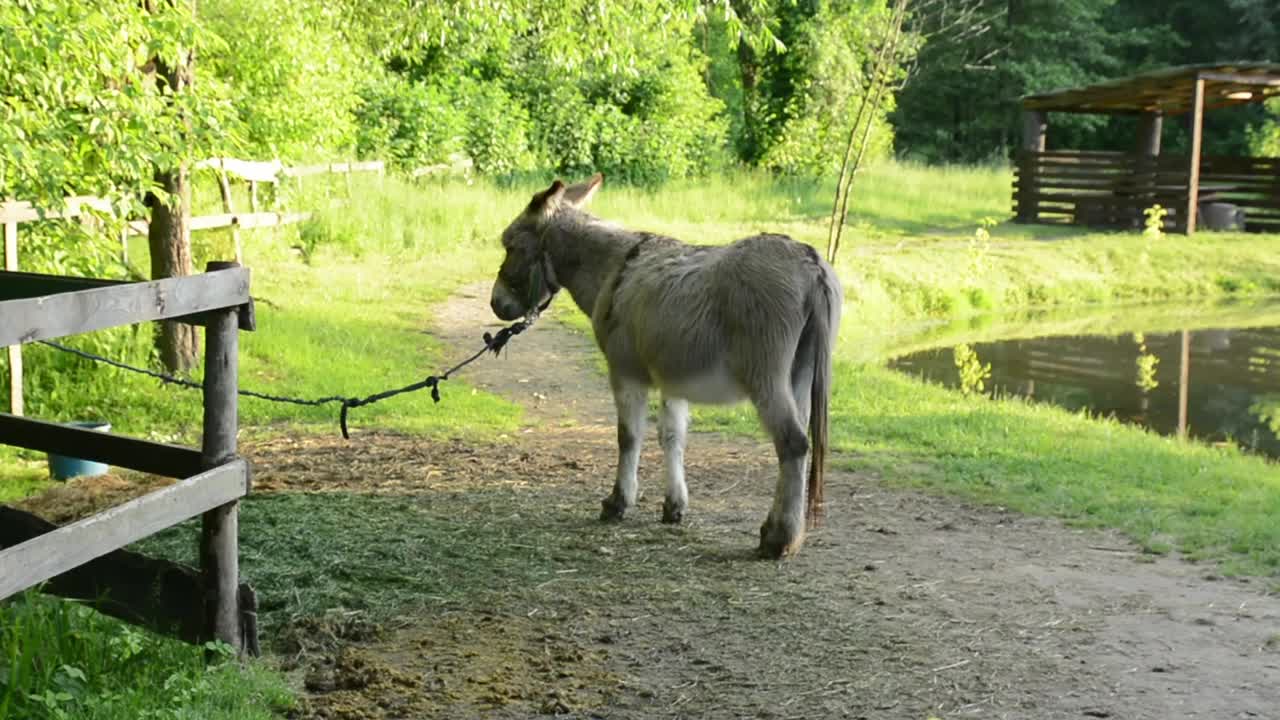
{"points": [[1218, 379]]}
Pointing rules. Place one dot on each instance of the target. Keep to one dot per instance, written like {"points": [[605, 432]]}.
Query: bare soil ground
{"points": [[903, 605]]}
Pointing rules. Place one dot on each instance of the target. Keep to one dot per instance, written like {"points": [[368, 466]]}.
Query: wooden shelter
{"points": [[1112, 189]]}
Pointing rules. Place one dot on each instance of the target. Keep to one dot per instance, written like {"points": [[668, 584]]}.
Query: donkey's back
{"points": [[709, 323]]}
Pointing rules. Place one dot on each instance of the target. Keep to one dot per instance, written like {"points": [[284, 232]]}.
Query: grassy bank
{"points": [[344, 304]]}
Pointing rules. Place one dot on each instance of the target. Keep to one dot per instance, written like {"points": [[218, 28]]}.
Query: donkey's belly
{"points": [[713, 388]]}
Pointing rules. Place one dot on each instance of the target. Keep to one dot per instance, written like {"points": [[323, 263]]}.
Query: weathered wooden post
{"points": [[1193, 171], [15, 351], [224, 189], [1035, 125], [219, 529], [1146, 166], [1150, 125]]}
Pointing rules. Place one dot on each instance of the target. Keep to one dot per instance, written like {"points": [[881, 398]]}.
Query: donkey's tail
{"points": [[824, 319]]}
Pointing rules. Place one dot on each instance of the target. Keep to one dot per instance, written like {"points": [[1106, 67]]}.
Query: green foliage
{"points": [[409, 124], [289, 73], [1153, 222], [497, 136], [973, 372], [79, 112], [62, 661], [1264, 138], [997, 51], [814, 89], [1146, 363], [980, 248]]}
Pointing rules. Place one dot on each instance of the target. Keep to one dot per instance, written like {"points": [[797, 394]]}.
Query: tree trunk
{"points": [[169, 235]]}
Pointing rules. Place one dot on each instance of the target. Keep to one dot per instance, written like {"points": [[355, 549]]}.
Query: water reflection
{"points": [[1220, 385]]}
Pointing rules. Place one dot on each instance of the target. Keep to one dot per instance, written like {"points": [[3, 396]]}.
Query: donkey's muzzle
{"points": [[504, 303], [506, 311]]}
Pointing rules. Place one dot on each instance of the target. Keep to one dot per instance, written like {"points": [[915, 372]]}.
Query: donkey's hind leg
{"points": [[632, 401], [673, 427], [783, 530]]}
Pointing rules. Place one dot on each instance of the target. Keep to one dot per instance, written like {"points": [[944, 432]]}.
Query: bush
{"points": [[653, 123], [409, 124], [288, 72], [497, 135]]}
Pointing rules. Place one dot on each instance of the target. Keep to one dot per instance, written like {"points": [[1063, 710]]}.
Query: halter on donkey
{"points": [[754, 320]]}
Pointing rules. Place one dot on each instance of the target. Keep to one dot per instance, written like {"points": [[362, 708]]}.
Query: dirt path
{"points": [[904, 605], [545, 369]]}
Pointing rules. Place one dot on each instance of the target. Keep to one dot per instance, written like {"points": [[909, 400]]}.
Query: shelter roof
{"points": [[1168, 90]]}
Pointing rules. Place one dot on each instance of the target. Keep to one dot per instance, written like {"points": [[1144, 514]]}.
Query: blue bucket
{"points": [[62, 467]]}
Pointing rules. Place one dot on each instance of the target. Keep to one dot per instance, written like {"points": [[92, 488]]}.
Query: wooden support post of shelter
{"points": [[1035, 127], [1150, 128], [1193, 166], [1113, 188], [84, 559]]}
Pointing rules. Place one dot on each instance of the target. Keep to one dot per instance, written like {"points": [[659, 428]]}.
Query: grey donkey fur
{"points": [[753, 320]]}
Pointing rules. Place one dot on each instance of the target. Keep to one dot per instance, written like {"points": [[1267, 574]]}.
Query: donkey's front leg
{"points": [[673, 427], [632, 402]]}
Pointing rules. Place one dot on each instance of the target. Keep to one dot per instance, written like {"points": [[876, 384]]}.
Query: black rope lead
{"points": [[492, 343]]}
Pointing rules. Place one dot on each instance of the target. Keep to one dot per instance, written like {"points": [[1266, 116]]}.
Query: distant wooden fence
{"points": [[1111, 189], [14, 213], [211, 605]]}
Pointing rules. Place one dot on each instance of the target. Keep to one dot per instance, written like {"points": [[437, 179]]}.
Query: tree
{"points": [[169, 232], [96, 102], [290, 74]]}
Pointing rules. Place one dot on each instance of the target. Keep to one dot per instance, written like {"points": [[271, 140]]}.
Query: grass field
{"points": [[344, 305]]}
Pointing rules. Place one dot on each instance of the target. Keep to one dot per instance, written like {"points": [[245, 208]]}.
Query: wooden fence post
{"points": [[219, 545], [224, 188], [15, 351]]}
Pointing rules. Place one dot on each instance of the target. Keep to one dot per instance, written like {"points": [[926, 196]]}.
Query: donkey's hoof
{"points": [[778, 541], [612, 510], [672, 512]]}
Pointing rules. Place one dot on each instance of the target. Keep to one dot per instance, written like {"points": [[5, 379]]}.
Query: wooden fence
{"points": [[14, 213], [1110, 189], [212, 603]]}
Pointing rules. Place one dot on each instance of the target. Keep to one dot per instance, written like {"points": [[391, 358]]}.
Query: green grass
{"points": [[1207, 502], [344, 300], [59, 661], [343, 306], [22, 473]]}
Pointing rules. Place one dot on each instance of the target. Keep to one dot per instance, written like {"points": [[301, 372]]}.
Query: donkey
{"points": [[753, 320]]}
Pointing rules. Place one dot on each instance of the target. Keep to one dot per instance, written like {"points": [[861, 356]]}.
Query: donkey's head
{"points": [[526, 280]]}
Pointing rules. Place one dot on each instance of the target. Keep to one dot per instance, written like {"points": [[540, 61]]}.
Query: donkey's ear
{"points": [[580, 194], [544, 204]]}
